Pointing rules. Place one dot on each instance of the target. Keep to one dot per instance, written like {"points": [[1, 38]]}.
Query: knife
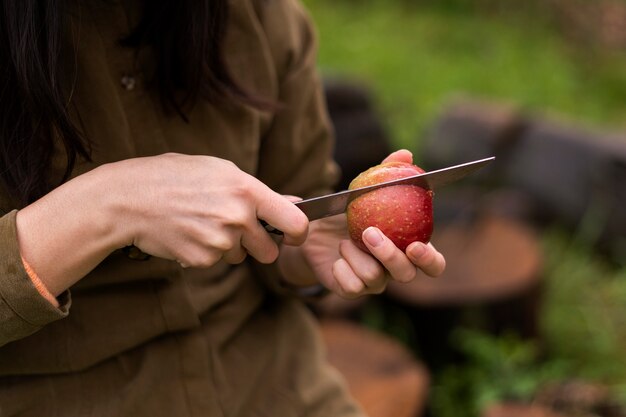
{"points": [[332, 204]]}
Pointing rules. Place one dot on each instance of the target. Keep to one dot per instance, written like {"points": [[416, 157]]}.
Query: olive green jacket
{"points": [[148, 338]]}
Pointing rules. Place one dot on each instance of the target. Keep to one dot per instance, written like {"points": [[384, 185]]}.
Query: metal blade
{"points": [[332, 204]]}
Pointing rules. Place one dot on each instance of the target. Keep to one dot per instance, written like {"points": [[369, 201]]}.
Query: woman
{"points": [[169, 128]]}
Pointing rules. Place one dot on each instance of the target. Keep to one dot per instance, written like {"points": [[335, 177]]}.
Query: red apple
{"points": [[404, 213]]}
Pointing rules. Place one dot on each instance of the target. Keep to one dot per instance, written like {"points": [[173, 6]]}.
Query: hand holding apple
{"points": [[334, 259]]}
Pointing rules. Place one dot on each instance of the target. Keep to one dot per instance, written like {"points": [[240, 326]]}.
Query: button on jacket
{"points": [[148, 338]]}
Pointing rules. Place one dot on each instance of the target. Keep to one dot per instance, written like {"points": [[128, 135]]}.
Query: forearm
{"points": [[192, 209], [65, 234]]}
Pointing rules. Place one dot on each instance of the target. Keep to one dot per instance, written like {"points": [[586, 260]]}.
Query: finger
{"points": [[365, 267], [259, 244], [402, 155], [349, 285], [224, 243], [393, 259], [198, 257], [236, 255], [281, 213], [230, 245], [426, 258]]}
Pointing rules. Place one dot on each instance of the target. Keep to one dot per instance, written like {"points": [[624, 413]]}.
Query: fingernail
{"points": [[418, 250], [373, 236]]}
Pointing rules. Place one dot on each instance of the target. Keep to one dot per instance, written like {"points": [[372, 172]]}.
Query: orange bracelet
{"points": [[41, 287]]}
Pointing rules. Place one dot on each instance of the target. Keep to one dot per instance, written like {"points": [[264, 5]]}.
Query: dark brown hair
{"points": [[186, 36]]}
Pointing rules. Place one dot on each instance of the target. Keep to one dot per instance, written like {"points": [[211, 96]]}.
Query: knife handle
{"points": [[270, 229]]}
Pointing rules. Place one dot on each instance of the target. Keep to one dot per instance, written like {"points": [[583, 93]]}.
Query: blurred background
{"points": [[530, 317]]}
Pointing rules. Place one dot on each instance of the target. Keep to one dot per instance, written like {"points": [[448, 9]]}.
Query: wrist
{"points": [[79, 220], [113, 206], [39, 284]]}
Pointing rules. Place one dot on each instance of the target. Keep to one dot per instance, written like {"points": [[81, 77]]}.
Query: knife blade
{"points": [[332, 204], [336, 203]]}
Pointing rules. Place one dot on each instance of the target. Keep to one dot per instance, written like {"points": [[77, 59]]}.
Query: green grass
{"points": [[585, 311], [417, 59]]}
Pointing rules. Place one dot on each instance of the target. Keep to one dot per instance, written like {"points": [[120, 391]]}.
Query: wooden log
{"points": [[576, 178], [382, 375], [488, 260], [564, 168], [471, 129], [494, 267]]}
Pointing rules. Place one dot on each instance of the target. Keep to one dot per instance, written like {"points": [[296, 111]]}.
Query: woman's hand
{"points": [[193, 209], [348, 271], [198, 210]]}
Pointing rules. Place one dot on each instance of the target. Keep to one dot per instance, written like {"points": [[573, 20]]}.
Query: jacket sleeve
{"points": [[296, 152], [23, 310], [296, 155]]}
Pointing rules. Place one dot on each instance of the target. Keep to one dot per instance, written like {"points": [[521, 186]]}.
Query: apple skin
{"points": [[404, 213]]}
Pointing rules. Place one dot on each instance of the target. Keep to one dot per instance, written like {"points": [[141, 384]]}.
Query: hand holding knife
{"points": [[336, 203]]}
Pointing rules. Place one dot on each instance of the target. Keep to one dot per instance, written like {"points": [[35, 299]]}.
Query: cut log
{"points": [[471, 129], [488, 260], [382, 375], [494, 268]]}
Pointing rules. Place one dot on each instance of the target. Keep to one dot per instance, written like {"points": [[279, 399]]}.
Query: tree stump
{"points": [[471, 129], [493, 265], [381, 373]]}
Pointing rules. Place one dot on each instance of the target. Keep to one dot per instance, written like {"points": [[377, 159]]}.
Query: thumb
{"points": [[402, 155]]}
